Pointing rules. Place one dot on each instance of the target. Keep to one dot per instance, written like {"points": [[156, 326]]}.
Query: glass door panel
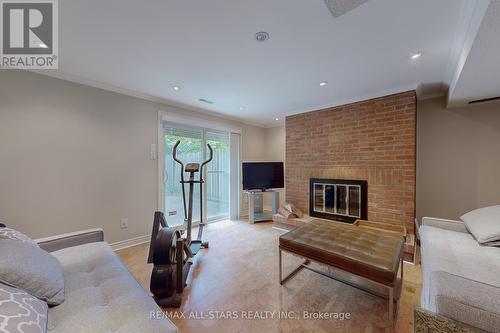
{"points": [[190, 150], [354, 201], [341, 197], [330, 198], [217, 176], [319, 197]]}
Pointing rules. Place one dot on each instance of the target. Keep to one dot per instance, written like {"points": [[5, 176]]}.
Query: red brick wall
{"points": [[372, 140]]}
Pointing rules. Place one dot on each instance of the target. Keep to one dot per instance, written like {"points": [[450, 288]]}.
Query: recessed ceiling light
{"points": [[415, 56], [323, 83], [276, 118], [242, 108], [176, 88]]}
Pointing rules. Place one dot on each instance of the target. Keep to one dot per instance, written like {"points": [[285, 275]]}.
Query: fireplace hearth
{"points": [[338, 199]]}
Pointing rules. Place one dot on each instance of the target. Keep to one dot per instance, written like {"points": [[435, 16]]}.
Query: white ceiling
{"points": [[208, 49]]}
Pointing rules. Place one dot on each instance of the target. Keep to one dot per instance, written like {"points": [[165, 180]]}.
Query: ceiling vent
{"points": [[205, 101], [485, 100], [340, 7]]}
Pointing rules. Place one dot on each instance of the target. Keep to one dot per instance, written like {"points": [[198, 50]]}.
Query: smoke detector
{"points": [[261, 36]]}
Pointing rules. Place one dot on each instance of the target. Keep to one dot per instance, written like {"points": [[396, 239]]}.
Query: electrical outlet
{"points": [[124, 223]]}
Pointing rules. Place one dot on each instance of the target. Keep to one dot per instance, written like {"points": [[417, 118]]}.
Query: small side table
{"points": [[256, 205]]}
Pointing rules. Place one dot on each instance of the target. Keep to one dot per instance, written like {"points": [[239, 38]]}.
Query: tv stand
{"points": [[256, 205]]}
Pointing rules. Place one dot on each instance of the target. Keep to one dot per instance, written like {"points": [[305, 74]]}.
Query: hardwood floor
{"points": [[239, 272]]}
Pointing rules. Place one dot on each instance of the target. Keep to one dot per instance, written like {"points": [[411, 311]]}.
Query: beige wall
{"points": [[458, 158], [75, 157], [275, 144], [274, 151]]}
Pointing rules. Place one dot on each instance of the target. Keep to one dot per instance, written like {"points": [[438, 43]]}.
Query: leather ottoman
{"points": [[372, 254]]}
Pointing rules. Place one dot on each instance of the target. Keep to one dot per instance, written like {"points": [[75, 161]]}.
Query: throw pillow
{"points": [[20, 312], [484, 224], [31, 269], [8, 233]]}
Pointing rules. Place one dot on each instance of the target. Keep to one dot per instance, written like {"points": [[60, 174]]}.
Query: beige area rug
{"points": [[233, 287]]}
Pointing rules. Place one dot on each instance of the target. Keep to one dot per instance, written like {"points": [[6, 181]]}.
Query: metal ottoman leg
{"points": [[280, 269], [391, 308]]}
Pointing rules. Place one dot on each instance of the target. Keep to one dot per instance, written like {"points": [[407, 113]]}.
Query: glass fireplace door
{"points": [[344, 200]]}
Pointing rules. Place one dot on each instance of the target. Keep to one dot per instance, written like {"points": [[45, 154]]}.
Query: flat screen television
{"points": [[262, 175]]}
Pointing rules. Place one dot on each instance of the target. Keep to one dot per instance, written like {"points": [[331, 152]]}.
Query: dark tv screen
{"points": [[262, 175]]}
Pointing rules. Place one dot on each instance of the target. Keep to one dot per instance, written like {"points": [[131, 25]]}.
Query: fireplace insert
{"points": [[338, 199]]}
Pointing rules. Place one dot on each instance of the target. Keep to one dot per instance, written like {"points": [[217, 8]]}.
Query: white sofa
{"points": [[100, 294], [460, 278]]}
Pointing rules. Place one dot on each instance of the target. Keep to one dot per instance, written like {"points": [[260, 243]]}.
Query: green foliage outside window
{"points": [[192, 145], [191, 149], [188, 145]]}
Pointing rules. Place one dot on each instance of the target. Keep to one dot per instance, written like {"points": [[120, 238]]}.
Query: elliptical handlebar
{"points": [[174, 153], [211, 153]]}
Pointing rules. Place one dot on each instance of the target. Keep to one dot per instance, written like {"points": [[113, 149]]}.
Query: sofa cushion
{"points": [[457, 254], [101, 295], [8, 233], [31, 269], [484, 224], [471, 302], [20, 312]]}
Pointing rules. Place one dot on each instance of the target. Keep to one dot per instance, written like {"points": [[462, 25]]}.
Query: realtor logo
{"points": [[29, 38]]}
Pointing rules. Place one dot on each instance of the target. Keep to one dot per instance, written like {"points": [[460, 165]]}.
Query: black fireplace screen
{"points": [[338, 199]]}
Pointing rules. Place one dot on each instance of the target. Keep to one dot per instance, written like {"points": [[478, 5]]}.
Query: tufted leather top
{"points": [[370, 253]]}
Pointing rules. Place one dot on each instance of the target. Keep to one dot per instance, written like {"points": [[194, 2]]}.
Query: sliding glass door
{"points": [[217, 188], [192, 149]]}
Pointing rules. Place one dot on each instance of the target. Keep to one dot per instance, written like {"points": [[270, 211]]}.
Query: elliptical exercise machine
{"points": [[169, 252]]}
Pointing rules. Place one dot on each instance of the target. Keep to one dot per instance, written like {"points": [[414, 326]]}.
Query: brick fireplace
{"points": [[372, 140]]}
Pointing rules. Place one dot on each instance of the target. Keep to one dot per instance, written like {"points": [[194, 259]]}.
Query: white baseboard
{"points": [[130, 242]]}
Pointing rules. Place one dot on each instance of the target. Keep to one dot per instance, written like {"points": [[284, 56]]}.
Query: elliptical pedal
{"points": [[195, 246]]}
